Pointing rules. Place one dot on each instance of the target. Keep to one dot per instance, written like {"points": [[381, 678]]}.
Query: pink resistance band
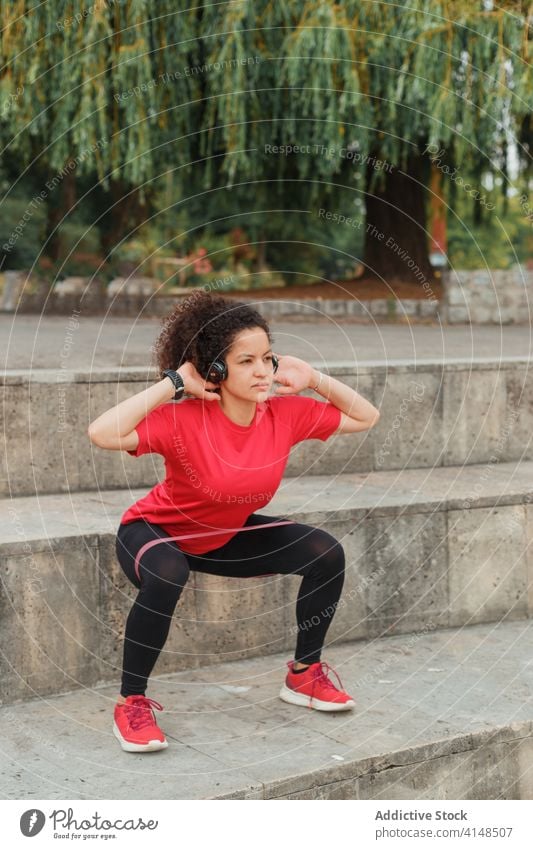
{"points": [[152, 542]]}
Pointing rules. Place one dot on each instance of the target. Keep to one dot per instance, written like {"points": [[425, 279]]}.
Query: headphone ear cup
{"points": [[275, 363], [217, 372]]}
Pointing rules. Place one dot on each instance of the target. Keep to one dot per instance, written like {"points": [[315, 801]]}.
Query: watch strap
{"points": [[177, 380]]}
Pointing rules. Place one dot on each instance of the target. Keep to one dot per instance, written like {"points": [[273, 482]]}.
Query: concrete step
{"points": [[433, 413], [425, 549], [440, 715]]}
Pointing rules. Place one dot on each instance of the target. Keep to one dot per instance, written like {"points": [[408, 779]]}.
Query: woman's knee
{"points": [[165, 577], [329, 554]]}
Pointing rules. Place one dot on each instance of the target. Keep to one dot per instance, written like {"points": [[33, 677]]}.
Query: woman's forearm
{"points": [[342, 396], [119, 421]]}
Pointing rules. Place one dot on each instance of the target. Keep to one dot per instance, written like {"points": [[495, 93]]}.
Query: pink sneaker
{"points": [[312, 688], [135, 726]]}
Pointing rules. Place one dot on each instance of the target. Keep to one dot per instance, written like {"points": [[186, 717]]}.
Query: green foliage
{"points": [[141, 254], [27, 246], [134, 94], [500, 241], [126, 88]]}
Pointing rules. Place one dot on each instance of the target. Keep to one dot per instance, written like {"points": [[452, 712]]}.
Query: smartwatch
{"points": [[177, 380]]}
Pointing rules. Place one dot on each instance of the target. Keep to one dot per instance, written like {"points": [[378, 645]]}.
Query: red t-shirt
{"points": [[218, 472]]}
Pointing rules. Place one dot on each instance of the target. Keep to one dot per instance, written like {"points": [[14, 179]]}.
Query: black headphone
{"points": [[219, 370]]}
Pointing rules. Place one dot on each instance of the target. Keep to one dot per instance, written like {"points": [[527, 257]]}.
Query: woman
{"points": [[225, 449]]}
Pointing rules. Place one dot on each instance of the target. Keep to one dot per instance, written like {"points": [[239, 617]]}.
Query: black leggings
{"points": [[164, 569]]}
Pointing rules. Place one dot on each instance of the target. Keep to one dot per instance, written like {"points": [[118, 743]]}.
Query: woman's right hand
{"points": [[196, 385]]}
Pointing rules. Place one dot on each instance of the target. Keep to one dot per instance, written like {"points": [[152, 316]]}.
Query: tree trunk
{"points": [[260, 259], [57, 209], [124, 212], [505, 176], [477, 209], [396, 240]]}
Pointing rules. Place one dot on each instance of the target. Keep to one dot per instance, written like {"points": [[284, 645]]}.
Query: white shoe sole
{"points": [[288, 695], [151, 746]]}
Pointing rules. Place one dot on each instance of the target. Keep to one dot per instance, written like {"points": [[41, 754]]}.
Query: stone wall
{"points": [[481, 296], [488, 296]]}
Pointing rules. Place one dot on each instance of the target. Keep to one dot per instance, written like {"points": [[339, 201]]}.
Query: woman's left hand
{"points": [[293, 374]]}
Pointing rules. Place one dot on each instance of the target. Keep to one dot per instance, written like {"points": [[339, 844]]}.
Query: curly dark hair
{"points": [[201, 328]]}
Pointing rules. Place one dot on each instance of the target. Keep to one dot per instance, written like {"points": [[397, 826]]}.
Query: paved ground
{"points": [[29, 341]]}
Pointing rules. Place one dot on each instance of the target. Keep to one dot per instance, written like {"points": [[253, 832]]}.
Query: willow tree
{"points": [[383, 87], [284, 105], [82, 94]]}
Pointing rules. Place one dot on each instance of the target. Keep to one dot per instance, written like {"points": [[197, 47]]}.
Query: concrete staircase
{"points": [[432, 414], [433, 508], [441, 715]]}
